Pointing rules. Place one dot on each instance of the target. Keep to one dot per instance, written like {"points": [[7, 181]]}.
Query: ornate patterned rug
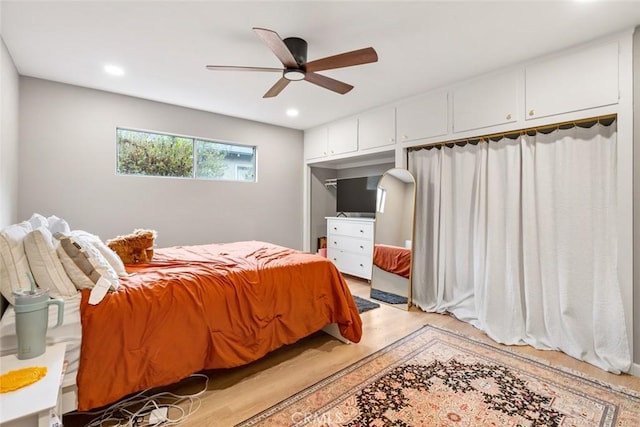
{"points": [[438, 378]]}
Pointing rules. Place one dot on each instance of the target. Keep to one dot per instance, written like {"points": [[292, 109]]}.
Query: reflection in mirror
{"points": [[395, 203]]}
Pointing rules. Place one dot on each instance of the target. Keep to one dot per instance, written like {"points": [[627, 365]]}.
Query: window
{"points": [[244, 173], [381, 199], [156, 154]]}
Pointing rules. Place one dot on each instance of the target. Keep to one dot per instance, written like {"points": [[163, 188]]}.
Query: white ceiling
{"points": [[164, 47]]}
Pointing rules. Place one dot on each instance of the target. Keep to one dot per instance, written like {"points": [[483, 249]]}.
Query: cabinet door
{"points": [[485, 102], [422, 117], [582, 80], [343, 136], [315, 143], [377, 128]]}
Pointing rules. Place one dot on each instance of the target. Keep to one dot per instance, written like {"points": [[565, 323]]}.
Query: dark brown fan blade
{"points": [[275, 43], [347, 59], [234, 68], [328, 83], [276, 88]]}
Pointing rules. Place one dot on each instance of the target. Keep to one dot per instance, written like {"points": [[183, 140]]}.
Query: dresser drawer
{"points": [[350, 263], [351, 244], [362, 230]]}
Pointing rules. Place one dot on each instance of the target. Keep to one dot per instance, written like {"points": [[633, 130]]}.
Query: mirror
{"points": [[393, 238]]}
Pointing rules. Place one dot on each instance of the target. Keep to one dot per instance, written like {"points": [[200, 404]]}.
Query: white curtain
{"points": [[519, 238]]}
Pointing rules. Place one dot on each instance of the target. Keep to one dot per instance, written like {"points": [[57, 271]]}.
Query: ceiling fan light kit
{"points": [[293, 74], [292, 52]]}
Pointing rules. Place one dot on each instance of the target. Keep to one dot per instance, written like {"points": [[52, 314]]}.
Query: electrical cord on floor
{"points": [[149, 410]]}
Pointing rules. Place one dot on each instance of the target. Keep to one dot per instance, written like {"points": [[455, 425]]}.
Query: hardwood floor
{"points": [[236, 394]]}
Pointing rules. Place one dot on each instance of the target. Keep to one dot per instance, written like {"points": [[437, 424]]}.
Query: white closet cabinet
{"points": [[422, 117], [350, 245], [343, 136], [488, 101], [377, 128], [316, 142], [573, 82]]}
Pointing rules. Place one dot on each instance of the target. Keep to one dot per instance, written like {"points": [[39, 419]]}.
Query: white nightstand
{"points": [[32, 405]]}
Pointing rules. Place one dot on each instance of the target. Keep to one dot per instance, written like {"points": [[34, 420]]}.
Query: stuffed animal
{"points": [[134, 248]]}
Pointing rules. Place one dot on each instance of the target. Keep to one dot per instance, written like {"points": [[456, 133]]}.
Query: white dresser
{"points": [[350, 245]]}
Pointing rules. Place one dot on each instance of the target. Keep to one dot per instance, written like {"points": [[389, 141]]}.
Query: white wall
{"points": [[391, 227], [636, 196], [370, 170], [67, 168], [8, 138], [323, 203]]}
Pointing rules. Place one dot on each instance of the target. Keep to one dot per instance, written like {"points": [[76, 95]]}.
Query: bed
{"points": [[390, 274], [194, 308], [393, 259]]}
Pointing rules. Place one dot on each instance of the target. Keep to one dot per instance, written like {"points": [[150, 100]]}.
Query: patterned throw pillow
{"points": [[112, 257], [86, 266]]}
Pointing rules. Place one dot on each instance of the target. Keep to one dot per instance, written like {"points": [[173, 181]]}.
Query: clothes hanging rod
{"points": [[591, 121]]}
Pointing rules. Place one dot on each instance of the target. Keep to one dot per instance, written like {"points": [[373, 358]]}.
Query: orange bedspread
{"points": [[205, 307], [393, 259]]}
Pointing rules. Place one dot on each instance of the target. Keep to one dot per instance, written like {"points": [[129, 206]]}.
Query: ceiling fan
{"points": [[292, 52]]}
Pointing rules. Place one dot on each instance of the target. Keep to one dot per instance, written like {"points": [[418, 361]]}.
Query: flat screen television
{"points": [[357, 195]]}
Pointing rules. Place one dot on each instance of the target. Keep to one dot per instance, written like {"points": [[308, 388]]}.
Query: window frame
{"points": [[194, 156]]}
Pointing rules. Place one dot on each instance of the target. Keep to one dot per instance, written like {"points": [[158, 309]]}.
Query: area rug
{"points": [[364, 304], [438, 378], [387, 297]]}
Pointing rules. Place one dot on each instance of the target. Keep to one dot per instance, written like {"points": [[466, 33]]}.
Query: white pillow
{"points": [[114, 260], [86, 267], [13, 260], [58, 225], [38, 220], [45, 265]]}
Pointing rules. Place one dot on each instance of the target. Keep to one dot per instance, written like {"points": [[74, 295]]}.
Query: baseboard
{"points": [[635, 369]]}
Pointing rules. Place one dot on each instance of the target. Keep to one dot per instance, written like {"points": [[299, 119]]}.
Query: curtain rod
{"points": [[585, 123]]}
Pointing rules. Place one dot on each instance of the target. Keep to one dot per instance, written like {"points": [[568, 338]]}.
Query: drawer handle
{"points": [[361, 265], [362, 231], [335, 243], [335, 228], [361, 247]]}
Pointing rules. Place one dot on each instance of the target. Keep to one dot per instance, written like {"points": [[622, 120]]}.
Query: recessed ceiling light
{"points": [[292, 112], [114, 70]]}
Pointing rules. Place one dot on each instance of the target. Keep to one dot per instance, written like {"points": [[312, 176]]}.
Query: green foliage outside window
{"points": [[153, 154], [211, 160], [142, 153]]}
